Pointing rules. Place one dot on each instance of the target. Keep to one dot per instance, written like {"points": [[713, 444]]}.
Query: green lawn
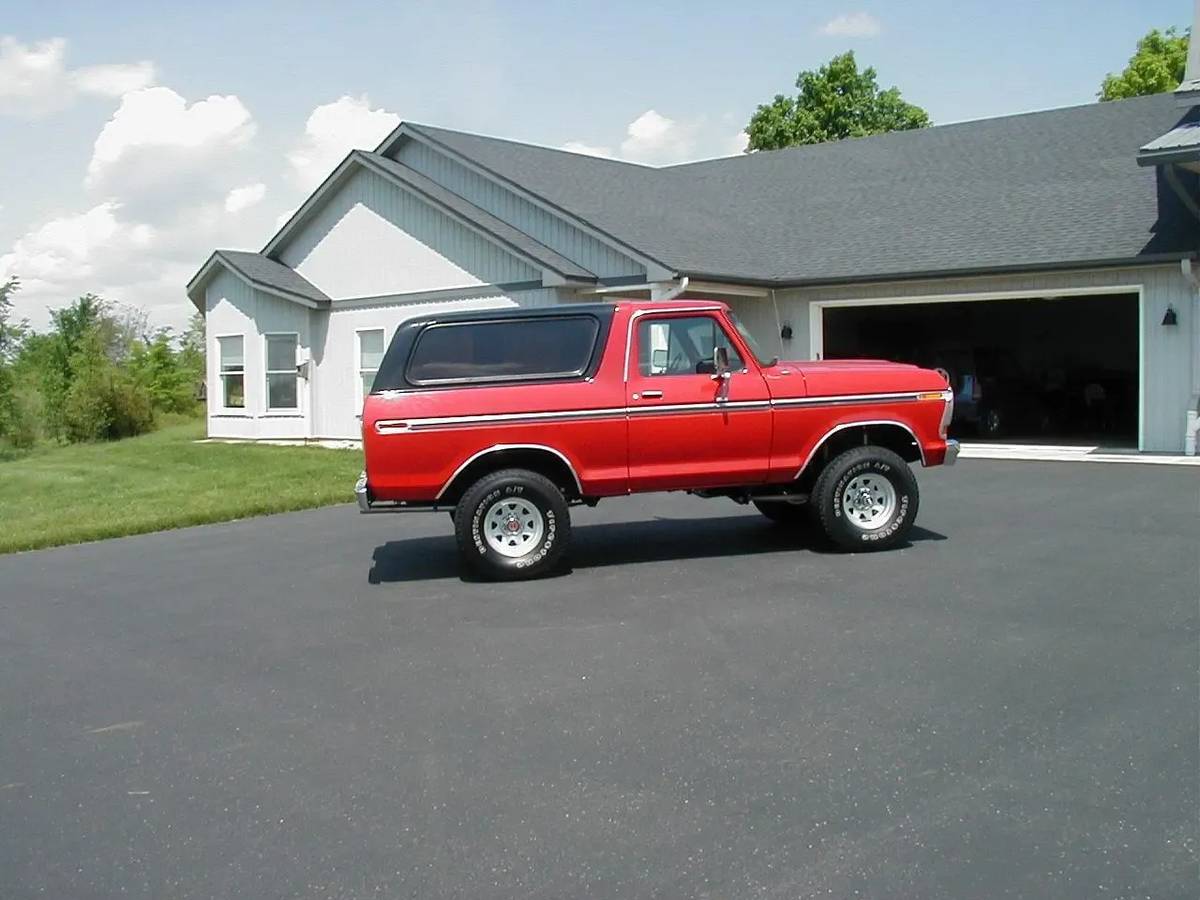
{"points": [[84, 492]]}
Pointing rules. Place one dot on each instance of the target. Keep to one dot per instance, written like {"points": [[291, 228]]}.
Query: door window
{"points": [[682, 346]]}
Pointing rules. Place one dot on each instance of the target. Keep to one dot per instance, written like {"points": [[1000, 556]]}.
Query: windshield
{"points": [[763, 359]]}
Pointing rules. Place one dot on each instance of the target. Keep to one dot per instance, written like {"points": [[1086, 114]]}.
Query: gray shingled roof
{"points": [[498, 229], [267, 272], [1055, 188]]}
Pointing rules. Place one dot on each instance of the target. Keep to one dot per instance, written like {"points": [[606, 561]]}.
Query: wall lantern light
{"points": [[786, 332], [1170, 318]]}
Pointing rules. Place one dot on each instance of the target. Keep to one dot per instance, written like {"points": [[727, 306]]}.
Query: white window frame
{"points": [[268, 372], [359, 371], [244, 409]]}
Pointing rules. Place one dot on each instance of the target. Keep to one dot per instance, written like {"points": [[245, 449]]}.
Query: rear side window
{"points": [[503, 350]]}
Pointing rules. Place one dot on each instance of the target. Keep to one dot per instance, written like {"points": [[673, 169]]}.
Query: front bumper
{"points": [[952, 448]]}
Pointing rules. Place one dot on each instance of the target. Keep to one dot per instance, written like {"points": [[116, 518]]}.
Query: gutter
{"points": [[1149, 259]]}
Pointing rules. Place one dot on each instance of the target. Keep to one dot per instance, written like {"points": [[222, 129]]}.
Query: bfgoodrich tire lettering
{"points": [[512, 524], [886, 488]]}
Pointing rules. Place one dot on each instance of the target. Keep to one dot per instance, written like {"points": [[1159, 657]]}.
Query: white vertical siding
{"points": [[539, 224], [1166, 354], [375, 238], [232, 307], [336, 363]]}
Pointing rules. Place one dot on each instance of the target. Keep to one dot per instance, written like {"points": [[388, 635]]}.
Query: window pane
{"points": [[370, 349], [682, 346], [231, 353], [235, 391], [368, 378], [281, 352], [281, 391], [496, 351]]}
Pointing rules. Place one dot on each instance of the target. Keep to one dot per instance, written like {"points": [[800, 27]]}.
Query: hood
{"points": [[834, 377]]}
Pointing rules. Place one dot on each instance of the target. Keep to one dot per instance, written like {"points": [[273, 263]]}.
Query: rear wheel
{"points": [[512, 524], [866, 499], [782, 512]]}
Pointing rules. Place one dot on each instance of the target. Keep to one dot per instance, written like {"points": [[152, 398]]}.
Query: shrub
{"points": [[104, 403]]}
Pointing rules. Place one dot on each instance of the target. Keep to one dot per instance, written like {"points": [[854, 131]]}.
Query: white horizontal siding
{"points": [[374, 238], [538, 223], [1166, 351]]}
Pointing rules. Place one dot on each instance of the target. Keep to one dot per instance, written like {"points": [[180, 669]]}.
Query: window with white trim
{"points": [[230, 351], [282, 377], [371, 345]]}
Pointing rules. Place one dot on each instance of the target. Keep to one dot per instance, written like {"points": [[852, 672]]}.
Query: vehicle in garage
{"points": [[506, 418], [1029, 368]]}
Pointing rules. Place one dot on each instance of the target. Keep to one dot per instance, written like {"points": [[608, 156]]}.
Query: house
{"points": [[1045, 260]]}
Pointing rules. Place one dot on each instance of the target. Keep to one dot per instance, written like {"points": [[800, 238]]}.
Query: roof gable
{"points": [[259, 272], [557, 268]]}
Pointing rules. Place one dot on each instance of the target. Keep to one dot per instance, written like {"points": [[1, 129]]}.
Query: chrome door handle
{"points": [[651, 395]]}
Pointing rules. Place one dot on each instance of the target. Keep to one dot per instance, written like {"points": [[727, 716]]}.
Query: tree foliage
{"points": [[98, 373], [836, 101], [1156, 66]]}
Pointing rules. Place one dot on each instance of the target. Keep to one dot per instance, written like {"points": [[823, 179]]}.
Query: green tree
{"points": [[11, 336], [192, 353], [834, 102], [11, 333], [164, 374], [1156, 67]]}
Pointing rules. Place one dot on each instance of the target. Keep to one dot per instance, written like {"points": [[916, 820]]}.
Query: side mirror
{"points": [[720, 363], [658, 360]]}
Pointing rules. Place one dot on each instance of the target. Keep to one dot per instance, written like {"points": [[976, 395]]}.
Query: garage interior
{"points": [[1044, 370]]}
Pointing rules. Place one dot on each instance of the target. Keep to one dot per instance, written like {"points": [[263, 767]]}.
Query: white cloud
{"points": [[332, 131], [154, 129], [65, 250], [654, 138], [114, 80], [244, 197], [856, 24], [168, 181], [587, 149], [35, 80]]}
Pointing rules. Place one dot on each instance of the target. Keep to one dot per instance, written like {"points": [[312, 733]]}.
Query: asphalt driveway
{"points": [[315, 705]]}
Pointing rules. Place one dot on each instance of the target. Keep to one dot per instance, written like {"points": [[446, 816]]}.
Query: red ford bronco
{"points": [[506, 418]]}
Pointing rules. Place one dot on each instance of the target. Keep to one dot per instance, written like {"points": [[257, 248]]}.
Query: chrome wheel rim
{"points": [[868, 501], [513, 526]]}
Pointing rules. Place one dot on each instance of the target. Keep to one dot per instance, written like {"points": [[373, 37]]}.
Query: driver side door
{"points": [[689, 427]]}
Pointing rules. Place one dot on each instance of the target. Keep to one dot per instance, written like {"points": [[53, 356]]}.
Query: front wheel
{"points": [[512, 524], [866, 499]]}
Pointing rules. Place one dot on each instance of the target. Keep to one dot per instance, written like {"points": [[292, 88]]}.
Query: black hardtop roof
{"points": [[514, 312]]}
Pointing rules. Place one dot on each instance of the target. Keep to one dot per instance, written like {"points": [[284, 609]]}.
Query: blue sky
{"points": [[120, 174]]}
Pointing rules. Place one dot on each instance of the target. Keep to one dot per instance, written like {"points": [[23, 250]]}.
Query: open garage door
{"points": [[1045, 370]]}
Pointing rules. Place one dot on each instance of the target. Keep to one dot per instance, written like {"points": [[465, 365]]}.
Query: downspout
{"points": [[672, 292], [1192, 425]]}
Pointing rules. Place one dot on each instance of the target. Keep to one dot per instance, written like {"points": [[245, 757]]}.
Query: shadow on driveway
{"points": [[617, 544]]}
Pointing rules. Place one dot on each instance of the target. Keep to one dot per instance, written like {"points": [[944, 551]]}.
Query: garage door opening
{"points": [[1044, 370]]}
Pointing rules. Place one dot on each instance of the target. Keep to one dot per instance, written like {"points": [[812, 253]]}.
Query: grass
{"points": [[86, 492]]}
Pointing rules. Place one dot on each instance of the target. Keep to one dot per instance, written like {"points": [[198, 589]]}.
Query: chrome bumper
{"points": [[360, 493], [952, 448]]}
